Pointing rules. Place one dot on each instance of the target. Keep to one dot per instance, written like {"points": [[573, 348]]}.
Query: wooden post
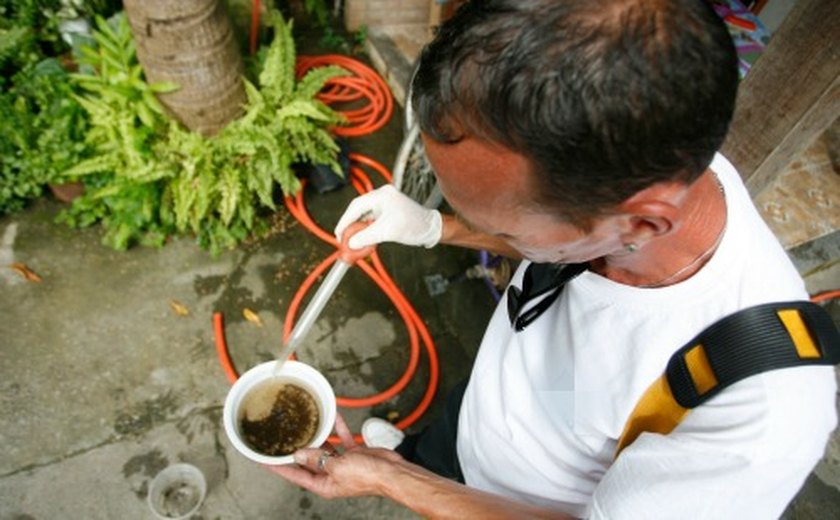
{"points": [[790, 96]]}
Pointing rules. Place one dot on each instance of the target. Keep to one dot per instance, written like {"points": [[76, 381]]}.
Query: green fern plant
{"points": [[151, 177], [233, 175]]}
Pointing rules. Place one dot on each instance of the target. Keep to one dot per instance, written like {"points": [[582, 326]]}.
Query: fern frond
{"points": [[254, 107], [246, 215], [282, 172], [183, 197], [301, 108], [289, 54], [335, 118], [205, 197], [100, 163], [312, 83], [230, 191], [278, 75], [93, 106]]}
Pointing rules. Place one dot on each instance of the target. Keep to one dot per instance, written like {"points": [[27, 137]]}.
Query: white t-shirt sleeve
{"points": [[729, 458]]}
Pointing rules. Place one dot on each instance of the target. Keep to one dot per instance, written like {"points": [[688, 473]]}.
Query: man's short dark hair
{"points": [[605, 97]]}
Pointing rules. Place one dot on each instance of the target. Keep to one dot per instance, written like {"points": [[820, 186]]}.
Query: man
{"points": [[583, 133]]}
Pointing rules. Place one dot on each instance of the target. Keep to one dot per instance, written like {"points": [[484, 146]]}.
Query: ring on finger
{"points": [[322, 460]]}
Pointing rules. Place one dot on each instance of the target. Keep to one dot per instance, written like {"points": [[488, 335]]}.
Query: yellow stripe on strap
{"points": [[799, 333], [657, 411], [700, 369]]}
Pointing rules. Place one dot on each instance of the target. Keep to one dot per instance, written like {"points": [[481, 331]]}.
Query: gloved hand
{"points": [[396, 218]]}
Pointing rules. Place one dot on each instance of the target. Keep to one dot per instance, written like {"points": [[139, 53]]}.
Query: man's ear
{"points": [[651, 213]]}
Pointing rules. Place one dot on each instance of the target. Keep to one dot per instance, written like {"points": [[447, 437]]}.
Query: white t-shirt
{"points": [[545, 406]]}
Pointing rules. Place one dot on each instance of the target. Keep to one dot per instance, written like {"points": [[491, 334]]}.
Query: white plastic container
{"points": [[177, 492], [294, 372]]}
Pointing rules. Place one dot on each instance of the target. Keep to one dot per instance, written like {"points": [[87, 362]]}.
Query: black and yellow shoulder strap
{"points": [[749, 342]]}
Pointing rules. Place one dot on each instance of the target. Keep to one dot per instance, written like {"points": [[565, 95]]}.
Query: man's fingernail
{"points": [[300, 458]]}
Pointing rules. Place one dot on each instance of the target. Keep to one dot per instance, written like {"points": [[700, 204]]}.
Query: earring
{"points": [[632, 247]]}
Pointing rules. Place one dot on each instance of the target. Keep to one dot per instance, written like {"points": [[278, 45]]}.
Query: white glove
{"points": [[396, 218]]}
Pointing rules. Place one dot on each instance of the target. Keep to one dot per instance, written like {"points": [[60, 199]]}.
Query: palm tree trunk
{"points": [[190, 43]]}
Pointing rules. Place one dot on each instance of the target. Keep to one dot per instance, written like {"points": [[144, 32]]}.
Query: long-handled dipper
{"points": [[347, 257]]}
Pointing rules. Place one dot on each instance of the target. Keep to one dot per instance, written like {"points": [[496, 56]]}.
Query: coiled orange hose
{"points": [[363, 85]]}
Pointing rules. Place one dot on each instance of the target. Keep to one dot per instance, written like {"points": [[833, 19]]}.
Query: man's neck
{"points": [[677, 255]]}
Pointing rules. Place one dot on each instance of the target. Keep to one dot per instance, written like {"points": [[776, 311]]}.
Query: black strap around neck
{"points": [[538, 280]]}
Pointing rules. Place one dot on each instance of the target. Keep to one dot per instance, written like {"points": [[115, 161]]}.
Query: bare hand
{"points": [[357, 472]]}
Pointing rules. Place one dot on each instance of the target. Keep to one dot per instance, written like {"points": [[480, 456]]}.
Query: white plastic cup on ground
{"points": [[294, 372], [177, 492]]}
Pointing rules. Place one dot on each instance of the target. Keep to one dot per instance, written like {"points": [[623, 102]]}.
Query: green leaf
{"points": [[301, 108], [164, 87], [314, 80], [91, 53], [152, 102], [278, 74], [145, 114], [102, 163], [230, 194]]}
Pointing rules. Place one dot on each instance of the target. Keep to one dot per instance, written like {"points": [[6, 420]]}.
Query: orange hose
{"points": [[825, 296], [363, 84], [221, 348], [255, 25]]}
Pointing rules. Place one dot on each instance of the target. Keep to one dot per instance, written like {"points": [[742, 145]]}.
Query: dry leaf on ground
{"points": [[179, 308], [25, 272], [252, 316]]}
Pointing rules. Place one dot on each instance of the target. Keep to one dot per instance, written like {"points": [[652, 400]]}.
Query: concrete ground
{"points": [[103, 384]]}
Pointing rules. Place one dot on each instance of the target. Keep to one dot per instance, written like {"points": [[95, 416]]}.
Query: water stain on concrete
{"points": [[198, 350], [118, 394], [143, 416], [240, 287], [12, 389], [208, 285], [148, 464], [305, 503], [199, 423], [140, 469]]}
